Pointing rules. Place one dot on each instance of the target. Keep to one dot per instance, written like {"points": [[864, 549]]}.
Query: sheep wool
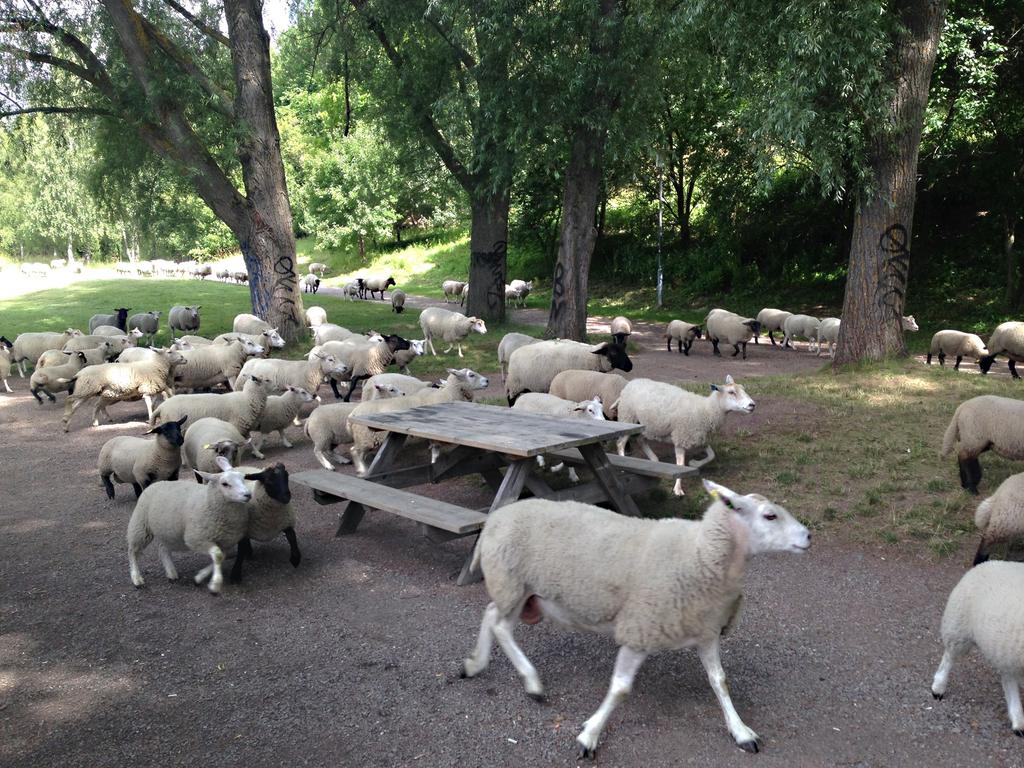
{"points": [[214, 365], [331, 332], [246, 323], [452, 327], [772, 320], [980, 424], [29, 346], [279, 413], [398, 301], [1000, 517], [209, 437], [147, 322], [184, 319], [378, 284], [956, 344], [509, 343], [315, 316], [531, 368], [5, 366], [241, 409], [114, 345], [805, 326], [1007, 339], [141, 462], [407, 385], [281, 374], [452, 289], [362, 359], [828, 332], [621, 329], [266, 340], [730, 328], [585, 385], [683, 334], [51, 379], [327, 427], [405, 356]]}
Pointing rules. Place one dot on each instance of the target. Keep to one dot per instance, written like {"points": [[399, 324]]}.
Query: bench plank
{"points": [[631, 464]]}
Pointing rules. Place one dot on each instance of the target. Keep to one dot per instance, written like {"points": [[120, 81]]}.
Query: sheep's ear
{"points": [[182, 420], [258, 476], [714, 387], [207, 476], [223, 463], [728, 379], [597, 399], [600, 349], [453, 371], [730, 498]]}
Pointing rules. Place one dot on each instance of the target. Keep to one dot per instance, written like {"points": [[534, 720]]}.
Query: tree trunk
{"points": [[876, 281], [488, 239], [568, 316], [1013, 270]]}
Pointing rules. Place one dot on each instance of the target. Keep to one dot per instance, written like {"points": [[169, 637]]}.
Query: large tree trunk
{"points": [[265, 235], [876, 282], [568, 316], [488, 239]]}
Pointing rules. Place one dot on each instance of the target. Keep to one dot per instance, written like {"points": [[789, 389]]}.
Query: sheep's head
{"points": [[273, 338], [615, 354], [8, 344], [470, 377], [251, 348], [230, 483], [223, 448], [387, 390], [733, 396], [331, 365], [591, 409], [274, 481], [770, 528], [909, 323], [417, 346], [476, 325], [754, 326], [395, 342], [171, 431], [697, 331], [72, 332], [303, 395], [389, 281]]}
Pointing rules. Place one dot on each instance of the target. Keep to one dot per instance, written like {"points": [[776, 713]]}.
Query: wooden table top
{"points": [[491, 428]]}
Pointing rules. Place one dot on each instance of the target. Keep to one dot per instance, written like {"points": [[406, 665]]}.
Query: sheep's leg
{"points": [[284, 440], [481, 656], [334, 386], [714, 345], [430, 343], [7, 386], [646, 448], [35, 394], [148, 399], [134, 550], [620, 445], [540, 461], [295, 556], [981, 555], [255, 444], [1011, 689], [322, 458], [450, 348], [745, 738], [21, 368], [1012, 365], [460, 349], [108, 486], [942, 359], [217, 580], [970, 474], [503, 633], [928, 360], [627, 664], [70, 406], [244, 551], [771, 338], [165, 557], [941, 678], [677, 488]]}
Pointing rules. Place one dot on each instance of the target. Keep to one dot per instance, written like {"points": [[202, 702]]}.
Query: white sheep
{"points": [[452, 290], [5, 366], [802, 325], [908, 323], [585, 385], [1000, 517], [327, 426], [685, 419], [29, 346], [51, 379], [279, 413], [449, 326], [984, 612], [518, 290], [267, 340], [331, 332], [956, 344], [828, 332], [209, 437], [404, 385], [509, 343], [134, 354], [247, 323], [118, 319], [184, 516], [405, 356], [531, 368], [980, 424], [315, 316], [184, 319], [351, 289], [465, 295], [398, 301], [307, 374], [319, 267], [653, 585], [117, 382], [94, 355], [113, 330], [115, 344], [378, 284], [549, 405], [362, 359], [194, 340], [727, 327], [621, 329], [215, 364], [772, 320], [241, 409], [1007, 339], [683, 334], [142, 462], [310, 283]]}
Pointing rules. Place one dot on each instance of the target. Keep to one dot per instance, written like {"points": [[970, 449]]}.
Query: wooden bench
{"points": [[658, 469], [441, 521]]}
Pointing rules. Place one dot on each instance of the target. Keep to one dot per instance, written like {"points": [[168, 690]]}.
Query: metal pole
{"points": [[661, 200]]}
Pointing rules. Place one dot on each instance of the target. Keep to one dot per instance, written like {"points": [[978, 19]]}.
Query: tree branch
{"points": [[464, 56], [214, 34], [58, 111]]}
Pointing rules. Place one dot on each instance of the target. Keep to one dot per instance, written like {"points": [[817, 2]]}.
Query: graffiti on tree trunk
{"points": [[895, 267], [494, 262], [558, 303], [284, 270]]}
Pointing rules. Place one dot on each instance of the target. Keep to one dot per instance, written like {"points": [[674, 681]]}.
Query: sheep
{"points": [[956, 344], [584, 385], [465, 295], [518, 290], [119, 319], [185, 319], [352, 289], [392, 385], [459, 386], [315, 316], [1000, 517], [147, 322], [531, 368], [202, 271], [378, 284], [621, 329], [278, 414], [118, 382], [246, 323], [828, 331], [240, 409], [115, 344], [452, 290], [683, 334], [908, 323], [983, 612], [51, 379], [198, 341], [362, 360], [1007, 339], [240, 276], [654, 585], [405, 356], [983, 423], [113, 330], [549, 405], [5, 365], [331, 332], [310, 283], [449, 326], [210, 437], [29, 346], [801, 325], [509, 343], [215, 364], [730, 328], [318, 267], [266, 340], [306, 374], [142, 462], [398, 301], [772, 320], [134, 354], [327, 426], [685, 419], [97, 354], [182, 516]]}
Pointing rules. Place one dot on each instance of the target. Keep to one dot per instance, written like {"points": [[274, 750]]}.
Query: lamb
{"points": [[1000, 517], [315, 316], [97, 354], [531, 368], [310, 283], [518, 290], [266, 340], [621, 329], [29, 346], [184, 319], [142, 462], [5, 366], [683, 334], [585, 385], [378, 284], [772, 320], [549, 405], [362, 360], [117, 382], [983, 611], [119, 319], [52, 379], [459, 386], [319, 267], [828, 332], [801, 325], [185, 516], [1007, 339], [147, 322], [352, 289], [246, 323], [240, 409], [725, 326], [452, 290], [392, 385], [509, 343], [306, 374], [209, 437], [452, 327], [327, 426], [983, 423], [405, 356], [683, 418], [215, 364], [278, 414], [654, 585], [956, 344], [398, 301]]}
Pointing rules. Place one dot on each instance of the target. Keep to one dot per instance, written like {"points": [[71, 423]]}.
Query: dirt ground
{"points": [[352, 659]]}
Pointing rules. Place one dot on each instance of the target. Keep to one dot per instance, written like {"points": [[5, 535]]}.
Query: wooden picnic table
{"points": [[486, 440]]}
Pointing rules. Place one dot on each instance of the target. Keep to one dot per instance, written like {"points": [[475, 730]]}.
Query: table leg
{"points": [[386, 455], [608, 480], [350, 518]]}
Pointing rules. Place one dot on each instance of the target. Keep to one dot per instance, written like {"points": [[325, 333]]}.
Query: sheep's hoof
{"points": [[753, 746], [1019, 732], [585, 753], [540, 698], [295, 560], [937, 696]]}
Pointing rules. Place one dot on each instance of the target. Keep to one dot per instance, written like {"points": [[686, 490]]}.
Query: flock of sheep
{"points": [[657, 585]]}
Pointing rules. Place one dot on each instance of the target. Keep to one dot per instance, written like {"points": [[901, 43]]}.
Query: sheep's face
{"points": [[395, 342], [275, 482], [387, 390], [734, 396], [616, 355], [417, 346], [331, 365], [477, 325], [770, 528], [171, 431], [273, 338], [174, 357], [251, 348], [304, 395], [231, 485], [470, 377], [389, 281], [696, 332], [909, 323], [590, 409]]}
